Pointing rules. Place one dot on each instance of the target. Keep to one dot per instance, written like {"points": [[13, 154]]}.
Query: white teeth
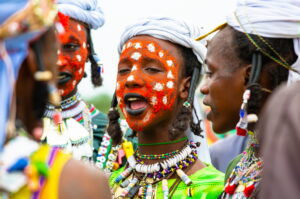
{"points": [[132, 99]]}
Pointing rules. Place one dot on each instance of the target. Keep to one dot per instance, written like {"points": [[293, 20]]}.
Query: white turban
{"points": [[175, 31], [270, 18], [87, 11], [178, 32]]}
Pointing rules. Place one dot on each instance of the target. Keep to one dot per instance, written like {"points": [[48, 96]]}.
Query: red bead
{"points": [[57, 118], [249, 190], [230, 189], [240, 131]]}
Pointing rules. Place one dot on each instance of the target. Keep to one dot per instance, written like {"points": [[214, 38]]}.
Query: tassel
{"points": [[241, 127], [124, 174], [149, 191], [183, 177], [165, 188]]}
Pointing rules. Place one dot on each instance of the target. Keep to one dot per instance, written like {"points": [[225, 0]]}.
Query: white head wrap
{"points": [[175, 31], [270, 18], [179, 32], [87, 11]]}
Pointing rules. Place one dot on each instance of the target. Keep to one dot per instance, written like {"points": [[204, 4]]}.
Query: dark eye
{"points": [[123, 71], [153, 70], [71, 47]]}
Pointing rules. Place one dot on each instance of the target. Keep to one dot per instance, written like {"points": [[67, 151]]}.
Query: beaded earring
{"points": [[241, 127]]}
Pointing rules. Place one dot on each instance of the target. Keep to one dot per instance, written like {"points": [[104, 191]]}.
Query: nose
{"points": [[134, 80], [204, 88]]}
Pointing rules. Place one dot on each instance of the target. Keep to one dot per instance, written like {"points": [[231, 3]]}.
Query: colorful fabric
{"points": [[14, 39], [56, 160], [207, 183], [275, 19], [87, 11]]}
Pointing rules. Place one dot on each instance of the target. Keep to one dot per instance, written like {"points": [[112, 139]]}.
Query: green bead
{"points": [[42, 168]]}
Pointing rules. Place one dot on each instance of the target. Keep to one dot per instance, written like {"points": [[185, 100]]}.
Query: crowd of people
{"points": [[53, 144]]}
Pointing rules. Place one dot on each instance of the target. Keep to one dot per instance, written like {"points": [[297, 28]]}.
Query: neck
{"points": [[158, 135]]}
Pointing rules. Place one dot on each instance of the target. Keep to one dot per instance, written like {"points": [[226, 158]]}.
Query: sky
{"points": [[119, 13]]}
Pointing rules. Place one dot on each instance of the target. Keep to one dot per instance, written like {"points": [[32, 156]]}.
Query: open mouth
{"points": [[64, 77], [135, 104]]}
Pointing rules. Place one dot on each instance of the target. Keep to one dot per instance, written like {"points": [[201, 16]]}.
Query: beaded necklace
{"points": [[154, 156], [246, 175], [140, 179]]}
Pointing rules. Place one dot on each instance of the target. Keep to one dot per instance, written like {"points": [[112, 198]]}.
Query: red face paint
{"points": [[148, 70], [72, 54]]}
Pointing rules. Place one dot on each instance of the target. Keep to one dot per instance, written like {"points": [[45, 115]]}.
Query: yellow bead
{"points": [[128, 148]]}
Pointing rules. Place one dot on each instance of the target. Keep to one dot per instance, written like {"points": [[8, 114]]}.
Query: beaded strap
{"points": [[156, 157]]}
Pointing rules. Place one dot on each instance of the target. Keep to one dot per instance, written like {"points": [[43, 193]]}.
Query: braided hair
{"points": [[276, 73], [184, 118]]}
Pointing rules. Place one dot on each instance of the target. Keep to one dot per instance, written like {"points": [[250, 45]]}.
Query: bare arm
{"points": [[81, 181]]}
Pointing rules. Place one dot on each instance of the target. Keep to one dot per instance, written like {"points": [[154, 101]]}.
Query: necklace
{"points": [[140, 179], [246, 175], [156, 157]]}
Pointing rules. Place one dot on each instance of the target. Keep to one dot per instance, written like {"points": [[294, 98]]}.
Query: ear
{"points": [[246, 73], [184, 87]]}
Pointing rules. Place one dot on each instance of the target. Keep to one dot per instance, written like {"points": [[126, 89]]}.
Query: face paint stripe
{"points": [[151, 47]]}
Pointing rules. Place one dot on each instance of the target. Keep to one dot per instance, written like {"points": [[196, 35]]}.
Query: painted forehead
{"points": [[136, 49], [72, 28]]}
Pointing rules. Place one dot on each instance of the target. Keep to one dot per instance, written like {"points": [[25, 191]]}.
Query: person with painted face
{"points": [[246, 60], [76, 125], [28, 53], [158, 70]]}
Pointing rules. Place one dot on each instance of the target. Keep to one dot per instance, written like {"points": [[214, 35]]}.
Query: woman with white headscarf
{"points": [[158, 71], [251, 55]]}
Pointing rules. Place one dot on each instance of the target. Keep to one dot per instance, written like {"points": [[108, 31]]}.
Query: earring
{"points": [[241, 127]]}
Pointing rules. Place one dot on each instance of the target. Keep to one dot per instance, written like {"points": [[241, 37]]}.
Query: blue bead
{"points": [[242, 113], [20, 165]]}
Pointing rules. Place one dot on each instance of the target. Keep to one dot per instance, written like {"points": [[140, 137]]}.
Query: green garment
{"points": [[207, 184], [231, 166]]}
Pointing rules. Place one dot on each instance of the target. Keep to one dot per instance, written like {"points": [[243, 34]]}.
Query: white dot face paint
{"points": [[151, 47], [84, 45], [134, 67], [118, 99], [123, 48], [161, 54], [170, 84], [170, 75], [74, 83], [118, 86], [165, 100], [78, 27], [136, 56], [137, 45], [59, 62], [170, 63], [158, 87], [80, 71], [130, 78], [58, 52], [129, 45], [154, 100], [78, 57]]}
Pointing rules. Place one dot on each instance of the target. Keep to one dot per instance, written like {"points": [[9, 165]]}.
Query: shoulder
{"points": [[85, 176]]}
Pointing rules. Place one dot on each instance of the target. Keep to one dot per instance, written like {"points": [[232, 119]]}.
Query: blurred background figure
{"points": [[28, 50], [279, 134]]}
